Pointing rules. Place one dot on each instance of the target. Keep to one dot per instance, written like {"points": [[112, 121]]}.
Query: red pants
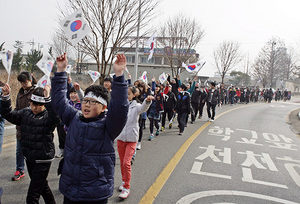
{"points": [[126, 151]]}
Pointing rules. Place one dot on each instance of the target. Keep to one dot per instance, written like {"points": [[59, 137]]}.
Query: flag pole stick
{"points": [[8, 77]]}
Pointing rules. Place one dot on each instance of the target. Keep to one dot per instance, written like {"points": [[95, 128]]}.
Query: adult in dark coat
{"points": [[183, 107], [212, 99], [202, 101]]}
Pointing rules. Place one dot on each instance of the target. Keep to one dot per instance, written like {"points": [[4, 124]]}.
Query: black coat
{"points": [[215, 99], [196, 96], [183, 102], [37, 130], [169, 101]]}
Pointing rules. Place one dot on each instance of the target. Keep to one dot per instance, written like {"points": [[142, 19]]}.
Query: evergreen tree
{"points": [[17, 61], [33, 57]]}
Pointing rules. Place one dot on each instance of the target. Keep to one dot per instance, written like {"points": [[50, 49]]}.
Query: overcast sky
{"points": [[250, 22]]}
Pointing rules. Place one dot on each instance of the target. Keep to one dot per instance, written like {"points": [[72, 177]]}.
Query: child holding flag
{"points": [[37, 124], [89, 155], [128, 138]]}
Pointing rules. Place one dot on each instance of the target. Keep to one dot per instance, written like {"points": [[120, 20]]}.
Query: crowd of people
{"points": [[88, 122]]}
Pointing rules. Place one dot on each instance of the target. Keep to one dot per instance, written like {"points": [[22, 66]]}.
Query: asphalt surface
{"points": [[155, 156]]}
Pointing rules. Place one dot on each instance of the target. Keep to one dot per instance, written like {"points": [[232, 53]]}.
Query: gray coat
{"points": [[130, 132]]}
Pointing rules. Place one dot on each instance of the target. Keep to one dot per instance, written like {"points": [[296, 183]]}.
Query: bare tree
{"points": [[261, 71], [60, 43], [111, 21], [274, 62], [226, 57], [179, 37]]}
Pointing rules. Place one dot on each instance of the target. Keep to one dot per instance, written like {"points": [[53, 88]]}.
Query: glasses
{"points": [[85, 101]]}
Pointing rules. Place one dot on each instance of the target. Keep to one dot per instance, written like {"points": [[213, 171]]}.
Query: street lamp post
{"points": [[137, 44], [272, 64]]}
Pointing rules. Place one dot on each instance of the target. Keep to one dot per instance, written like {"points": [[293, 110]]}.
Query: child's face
{"points": [[157, 89], [130, 95], [27, 84], [107, 85], [36, 109], [91, 110], [74, 97]]}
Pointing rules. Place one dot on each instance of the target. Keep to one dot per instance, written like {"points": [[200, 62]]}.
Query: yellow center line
{"points": [[153, 191], [9, 144]]}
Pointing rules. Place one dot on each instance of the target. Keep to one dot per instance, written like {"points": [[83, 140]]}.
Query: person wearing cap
{"points": [[37, 124], [89, 156], [212, 99]]}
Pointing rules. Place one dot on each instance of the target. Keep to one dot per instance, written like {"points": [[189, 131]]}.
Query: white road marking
{"points": [[247, 177], [294, 174], [195, 196], [196, 169]]}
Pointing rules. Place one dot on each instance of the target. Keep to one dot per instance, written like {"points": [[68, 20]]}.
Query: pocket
{"points": [[101, 175]]}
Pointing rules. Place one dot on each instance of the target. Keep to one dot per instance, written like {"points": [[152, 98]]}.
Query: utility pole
{"points": [[32, 43], [137, 44], [272, 64]]}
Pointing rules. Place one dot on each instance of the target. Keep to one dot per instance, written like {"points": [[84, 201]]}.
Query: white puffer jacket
{"points": [[130, 132]]}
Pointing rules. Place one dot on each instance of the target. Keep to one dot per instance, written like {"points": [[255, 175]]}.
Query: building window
{"points": [[129, 59], [158, 60], [143, 60]]}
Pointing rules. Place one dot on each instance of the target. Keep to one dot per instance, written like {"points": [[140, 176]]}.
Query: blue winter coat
{"points": [[89, 155]]}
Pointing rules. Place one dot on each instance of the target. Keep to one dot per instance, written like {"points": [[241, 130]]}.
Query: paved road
{"points": [[248, 155]]}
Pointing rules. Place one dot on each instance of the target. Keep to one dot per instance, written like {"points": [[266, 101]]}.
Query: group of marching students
{"points": [[233, 95], [89, 122]]}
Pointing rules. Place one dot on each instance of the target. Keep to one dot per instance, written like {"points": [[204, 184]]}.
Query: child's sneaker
{"points": [[60, 154], [18, 175], [157, 132], [151, 137], [125, 193], [139, 146], [162, 129], [122, 186], [170, 125]]}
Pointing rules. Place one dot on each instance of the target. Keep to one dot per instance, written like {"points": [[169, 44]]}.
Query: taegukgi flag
{"points": [[75, 27], [162, 78], [44, 81], [151, 44], [144, 77], [7, 58], [69, 68], [192, 68], [46, 64], [94, 75]]}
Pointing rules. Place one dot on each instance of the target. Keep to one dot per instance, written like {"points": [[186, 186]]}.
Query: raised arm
{"points": [[6, 109], [59, 88], [118, 106], [53, 117], [79, 91]]}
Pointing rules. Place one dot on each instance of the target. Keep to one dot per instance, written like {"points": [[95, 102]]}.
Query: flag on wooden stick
{"points": [[75, 27]]}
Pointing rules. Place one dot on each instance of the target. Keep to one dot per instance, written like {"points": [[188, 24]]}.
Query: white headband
{"points": [[38, 99], [98, 98]]}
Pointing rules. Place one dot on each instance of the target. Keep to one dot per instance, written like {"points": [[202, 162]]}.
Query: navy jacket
{"points": [[89, 155], [183, 102]]}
